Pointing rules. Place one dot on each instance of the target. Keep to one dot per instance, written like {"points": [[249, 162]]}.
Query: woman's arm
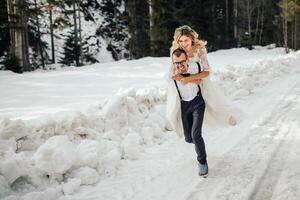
{"points": [[196, 81], [177, 77], [194, 77], [184, 80]]}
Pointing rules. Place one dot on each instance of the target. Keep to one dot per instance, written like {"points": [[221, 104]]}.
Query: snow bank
{"points": [[74, 152], [56, 155], [89, 152], [13, 129], [13, 166], [4, 187], [9, 145], [238, 81], [86, 175], [71, 186], [49, 194]]}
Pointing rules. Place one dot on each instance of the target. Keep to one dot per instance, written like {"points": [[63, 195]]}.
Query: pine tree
{"points": [[199, 15], [138, 24], [4, 29], [55, 22], [213, 20], [38, 55], [73, 42], [224, 29], [114, 28], [71, 49], [162, 26]]}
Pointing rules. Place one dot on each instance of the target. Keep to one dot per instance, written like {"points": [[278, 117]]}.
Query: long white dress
{"points": [[219, 110]]}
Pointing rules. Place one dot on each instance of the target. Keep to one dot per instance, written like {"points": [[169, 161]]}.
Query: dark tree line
{"points": [[137, 28], [224, 24]]}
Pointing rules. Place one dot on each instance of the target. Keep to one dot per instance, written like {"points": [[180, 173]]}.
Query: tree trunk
{"points": [[285, 28], [249, 18], [18, 34], [40, 49], [139, 27], [296, 31], [25, 45], [151, 21], [295, 25], [80, 37], [152, 28], [11, 22], [76, 35], [227, 26], [235, 14], [292, 35], [285, 34], [257, 22], [261, 24], [51, 33]]}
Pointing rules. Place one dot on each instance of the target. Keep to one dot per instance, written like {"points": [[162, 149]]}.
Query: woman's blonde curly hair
{"points": [[197, 44]]}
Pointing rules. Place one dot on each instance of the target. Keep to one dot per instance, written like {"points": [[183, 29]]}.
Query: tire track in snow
{"points": [[266, 184], [235, 176], [288, 186]]}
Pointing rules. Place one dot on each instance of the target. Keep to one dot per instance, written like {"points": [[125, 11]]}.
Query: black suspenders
{"points": [[199, 70], [178, 89]]}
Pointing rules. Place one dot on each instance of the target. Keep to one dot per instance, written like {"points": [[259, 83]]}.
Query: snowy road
{"points": [[255, 166], [260, 161]]}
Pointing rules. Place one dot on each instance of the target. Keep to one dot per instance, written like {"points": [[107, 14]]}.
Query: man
{"points": [[187, 78]]}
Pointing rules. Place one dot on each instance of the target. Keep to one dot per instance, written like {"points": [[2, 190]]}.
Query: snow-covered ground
{"points": [[99, 132]]}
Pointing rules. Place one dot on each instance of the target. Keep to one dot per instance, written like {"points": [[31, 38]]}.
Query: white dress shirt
{"points": [[189, 91]]}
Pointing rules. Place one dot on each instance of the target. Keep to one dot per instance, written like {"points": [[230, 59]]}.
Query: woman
{"points": [[219, 111]]}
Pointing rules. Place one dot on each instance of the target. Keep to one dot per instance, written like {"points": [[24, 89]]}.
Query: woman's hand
{"points": [[185, 80], [177, 77], [198, 82]]}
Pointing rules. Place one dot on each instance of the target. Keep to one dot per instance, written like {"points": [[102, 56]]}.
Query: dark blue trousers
{"points": [[192, 113]]}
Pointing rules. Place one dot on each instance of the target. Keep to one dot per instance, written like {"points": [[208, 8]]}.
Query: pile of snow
{"points": [[56, 156], [238, 81], [86, 175], [15, 129], [71, 186], [69, 153]]}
